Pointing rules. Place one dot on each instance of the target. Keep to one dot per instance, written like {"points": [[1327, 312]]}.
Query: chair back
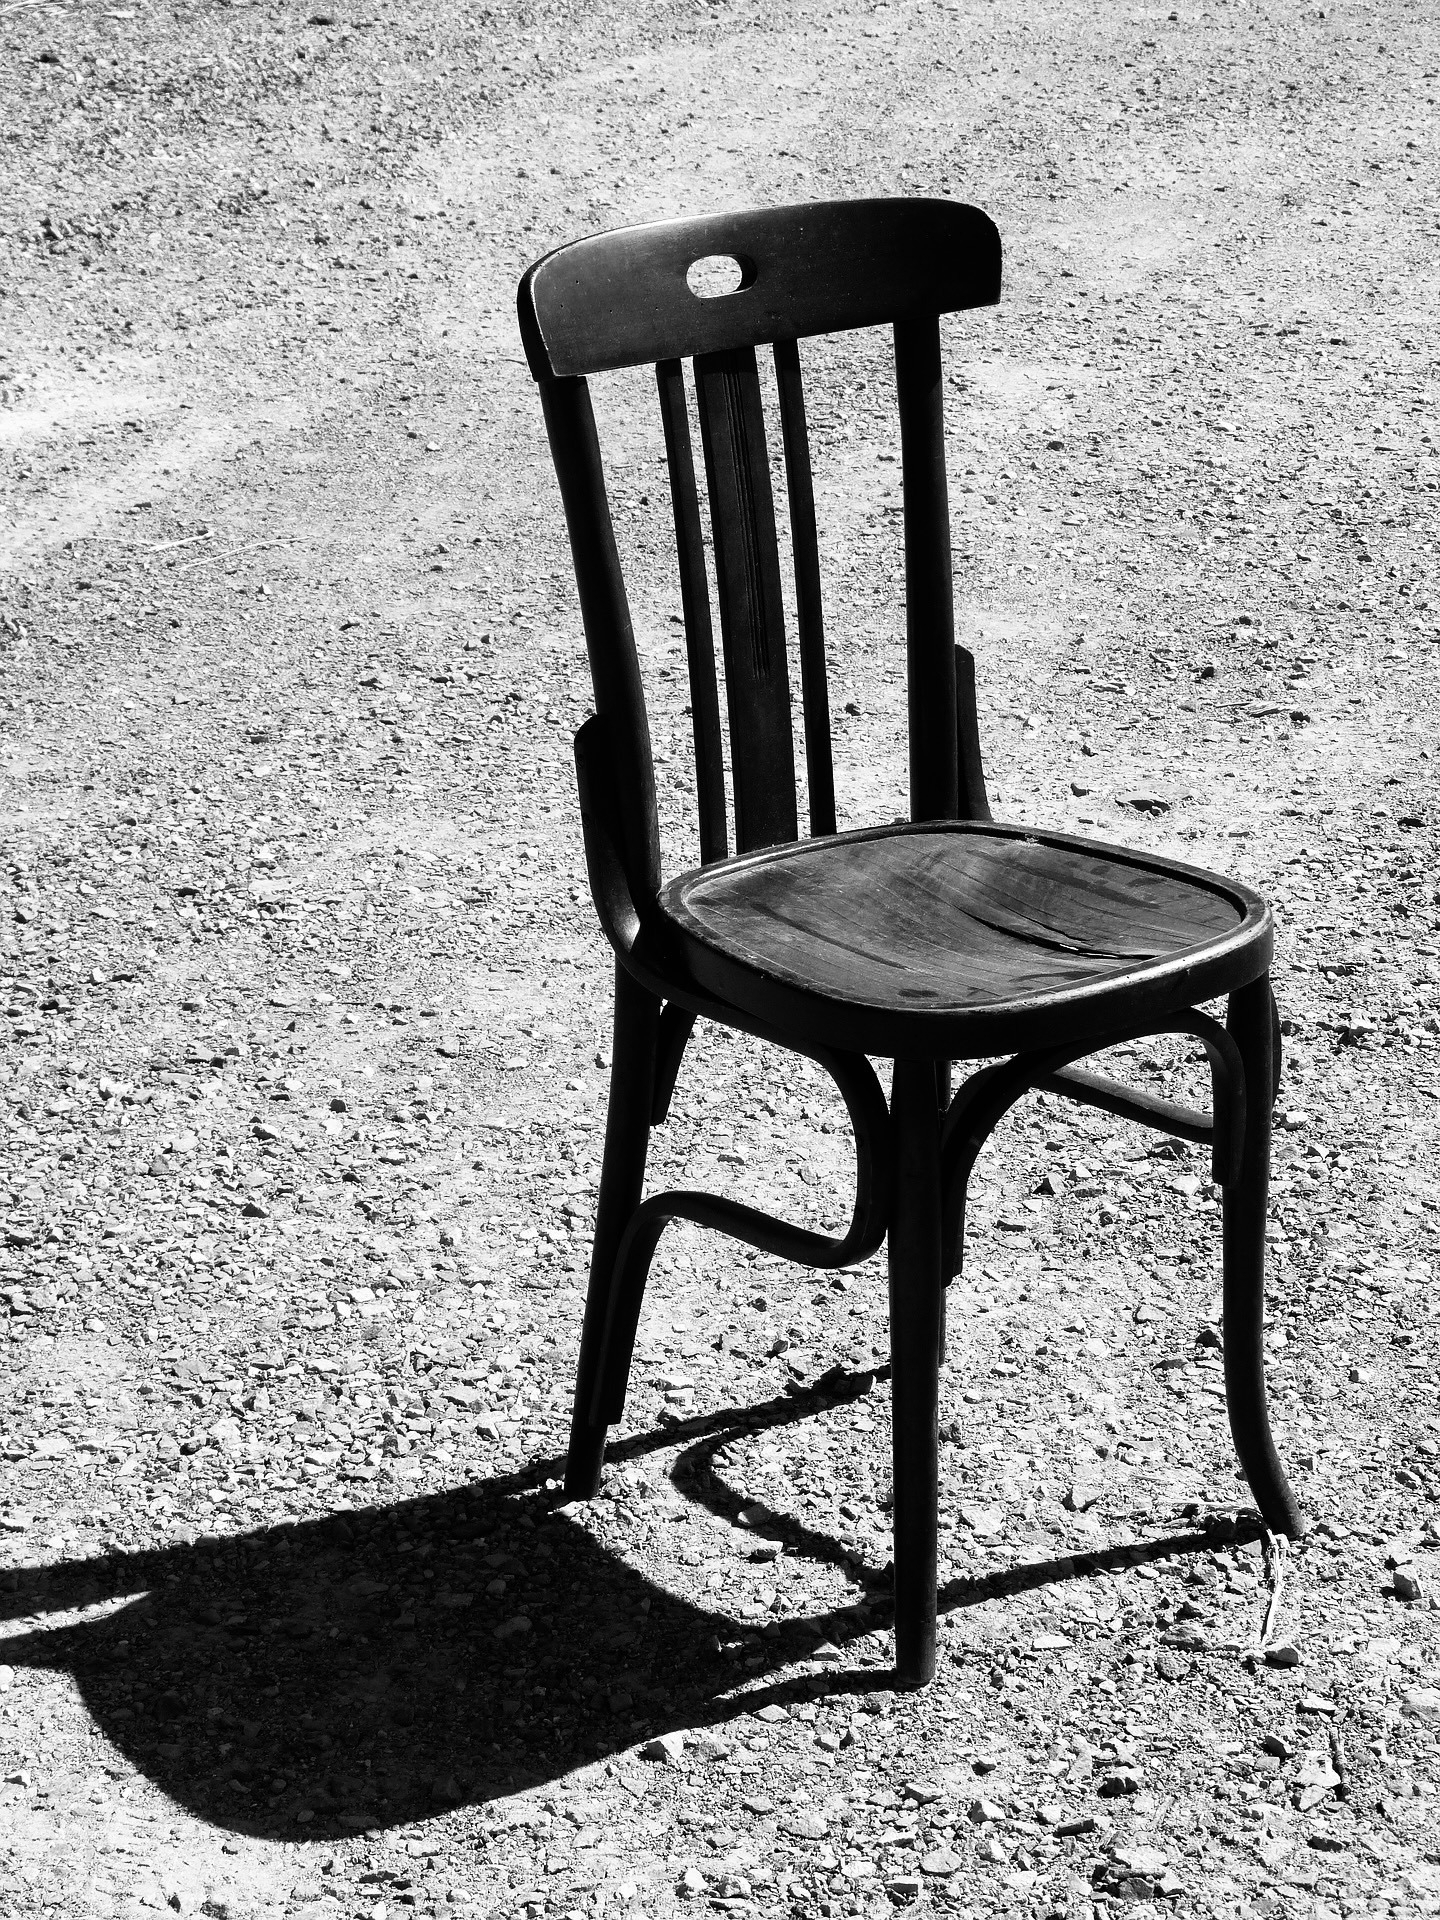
{"points": [[623, 298]]}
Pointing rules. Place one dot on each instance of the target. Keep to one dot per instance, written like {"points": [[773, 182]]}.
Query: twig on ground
{"points": [[163, 546], [1274, 1550], [229, 552]]}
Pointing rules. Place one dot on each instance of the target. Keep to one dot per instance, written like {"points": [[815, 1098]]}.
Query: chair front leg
{"points": [[1250, 1022], [917, 1291], [622, 1178]]}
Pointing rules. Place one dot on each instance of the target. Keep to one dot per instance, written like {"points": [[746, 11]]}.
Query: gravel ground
{"points": [[302, 1075]]}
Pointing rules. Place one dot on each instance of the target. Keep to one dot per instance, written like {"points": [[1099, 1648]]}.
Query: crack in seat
{"points": [[961, 939]]}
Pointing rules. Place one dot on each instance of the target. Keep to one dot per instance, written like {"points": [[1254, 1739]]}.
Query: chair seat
{"points": [[959, 939]]}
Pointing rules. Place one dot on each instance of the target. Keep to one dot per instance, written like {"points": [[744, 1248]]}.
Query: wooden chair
{"points": [[951, 938]]}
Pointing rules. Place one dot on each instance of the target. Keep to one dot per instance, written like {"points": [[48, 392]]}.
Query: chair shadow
{"points": [[355, 1673]]}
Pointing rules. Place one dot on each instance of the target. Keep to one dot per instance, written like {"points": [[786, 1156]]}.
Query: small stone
{"points": [[903, 1888], [1278, 1745], [668, 1748], [1051, 1814], [758, 1803], [1071, 1829], [7, 1679], [1325, 1842], [1082, 1493], [1170, 1665], [1285, 1654], [1407, 1584], [692, 1881], [982, 1811], [922, 1792], [828, 1654], [940, 1864], [1187, 1638], [772, 1713], [804, 1824], [1080, 789], [1149, 1861], [991, 1849], [985, 1521], [1399, 1553], [1145, 801], [1120, 1784]]}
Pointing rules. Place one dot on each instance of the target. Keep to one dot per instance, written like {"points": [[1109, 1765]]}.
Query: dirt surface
{"points": [[306, 1012]]}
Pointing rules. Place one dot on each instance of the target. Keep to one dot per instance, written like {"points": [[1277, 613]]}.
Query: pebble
{"points": [[922, 1792], [985, 1521], [1120, 1784], [941, 1863], [1072, 1829], [1407, 1584], [1285, 1654], [668, 1748], [805, 1824]]}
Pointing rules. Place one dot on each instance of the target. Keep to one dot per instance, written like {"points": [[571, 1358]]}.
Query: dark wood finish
{"points": [[917, 1291], [959, 939], [621, 299], [809, 613], [695, 607], [622, 1178], [952, 938], [974, 802], [865, 1104], [929, 602], [752, 614], [609, 637], [1244, 1243]]}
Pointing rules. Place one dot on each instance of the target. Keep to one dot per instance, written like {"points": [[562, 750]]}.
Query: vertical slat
{"points": [[929, 611], [695, 605], [974, 801], [752, 619], [814, 688], [609, 637]]}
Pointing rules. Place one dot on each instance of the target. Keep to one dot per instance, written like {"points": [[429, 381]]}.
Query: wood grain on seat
{"points": [[949, 918]]}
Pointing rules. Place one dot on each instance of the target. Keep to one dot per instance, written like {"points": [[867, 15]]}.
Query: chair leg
{"points": [[916, 1296], [622, 1177], [1250, 1023]]}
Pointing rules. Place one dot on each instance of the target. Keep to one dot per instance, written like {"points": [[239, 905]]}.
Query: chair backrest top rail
{"points": [[621, 299]]}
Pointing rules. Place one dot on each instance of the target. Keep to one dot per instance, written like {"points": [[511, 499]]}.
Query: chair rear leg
{"points": [[917, 1294], [622, 1177], [1251, 1024]]}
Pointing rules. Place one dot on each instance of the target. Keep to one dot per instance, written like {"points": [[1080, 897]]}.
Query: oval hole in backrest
{"points": [[717, 274]]}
